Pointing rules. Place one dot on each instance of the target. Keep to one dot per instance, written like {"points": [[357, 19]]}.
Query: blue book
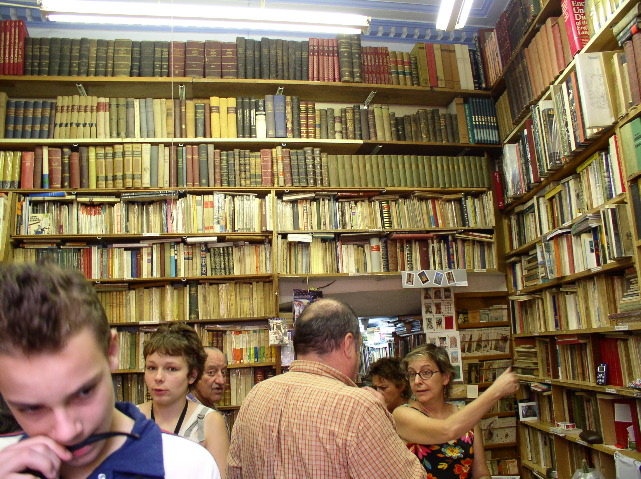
{"points": [[279, 116]]}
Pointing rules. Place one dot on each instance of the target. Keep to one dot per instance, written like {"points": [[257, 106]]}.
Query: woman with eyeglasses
{"points": [[446, 440]]}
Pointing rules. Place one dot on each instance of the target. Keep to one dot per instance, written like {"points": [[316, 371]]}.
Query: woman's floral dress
{"points": [[451, 460]]}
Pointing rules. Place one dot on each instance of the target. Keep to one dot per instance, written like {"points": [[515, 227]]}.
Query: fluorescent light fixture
{"points": [[163, 13], [464, 13], [199, 23], [444, 14], [453, 14]]}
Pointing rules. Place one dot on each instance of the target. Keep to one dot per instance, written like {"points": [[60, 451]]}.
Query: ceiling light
{"points": [[200, 23], [453, 14], [164, 14]]}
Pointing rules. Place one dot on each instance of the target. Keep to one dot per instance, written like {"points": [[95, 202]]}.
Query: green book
{"points": [[362, 166], [382, 171], [427, 168], [333, 170], [340, 171], [357, 181], [396, 169], [349, 171], [369, 168]]}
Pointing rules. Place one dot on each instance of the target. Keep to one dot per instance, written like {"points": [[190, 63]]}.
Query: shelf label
{"points": [[582, 442], [151, 234], [610, 390], [480, 270], [548, 381], [537, 333], [597, 269], [622, 327], [637, 394], [559, 433]]}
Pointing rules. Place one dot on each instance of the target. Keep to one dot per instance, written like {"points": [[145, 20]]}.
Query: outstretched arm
{"points": [[416, 427]]}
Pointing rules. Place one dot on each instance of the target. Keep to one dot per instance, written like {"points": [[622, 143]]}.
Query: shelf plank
{"points": [[167, 87], [484, 324]]}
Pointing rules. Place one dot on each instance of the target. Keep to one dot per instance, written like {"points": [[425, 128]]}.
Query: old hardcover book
{"points": [[177, 51], [228, 60], [195, 59], [122, 57], [213, 59]]}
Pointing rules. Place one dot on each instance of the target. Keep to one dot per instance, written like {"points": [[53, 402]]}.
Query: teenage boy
{"points": [[57, 354]]}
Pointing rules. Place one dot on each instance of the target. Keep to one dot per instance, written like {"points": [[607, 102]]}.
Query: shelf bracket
{"points": [[376, 149], [369, 98], [181, 92], [280, 90], [81, 89]]}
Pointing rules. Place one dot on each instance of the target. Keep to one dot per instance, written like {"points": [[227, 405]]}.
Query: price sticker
{"points": [[610, 390], [622, 327]]}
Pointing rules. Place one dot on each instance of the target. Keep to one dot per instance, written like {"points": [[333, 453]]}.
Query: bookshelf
{"points": [[564, 301], [157, 250]]}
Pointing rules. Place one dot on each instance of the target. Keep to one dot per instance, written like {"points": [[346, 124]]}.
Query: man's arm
{"points": [[40, 454], [378, 451], [234, 466]]}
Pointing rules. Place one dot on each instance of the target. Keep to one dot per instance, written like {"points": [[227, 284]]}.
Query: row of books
{"points": [[589, 244], [240, 346], [145, 165], [322, 211], [477, 371], [275, 116], [192, 301], [537, 65], [584, 304], [627, 34], [12, 38], [561, 125], [154, 213], [493, 314], [596, 181], [237, 385], [311, 254], [130, 388], [485, 341], [587, 410], [149, 260], [341, 59]]}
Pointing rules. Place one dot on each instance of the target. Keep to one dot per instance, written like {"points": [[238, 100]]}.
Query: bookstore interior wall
{"points": [[204, 181]]}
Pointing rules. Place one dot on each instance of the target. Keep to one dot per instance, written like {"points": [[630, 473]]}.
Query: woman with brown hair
{"points": [[446, 439], [174, 362], [389, 379]]}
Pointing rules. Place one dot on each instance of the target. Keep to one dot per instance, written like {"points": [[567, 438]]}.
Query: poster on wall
{"points": [[451, 341], [434, 278]]}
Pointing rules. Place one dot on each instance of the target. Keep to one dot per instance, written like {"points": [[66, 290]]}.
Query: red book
{"points": [[576, 24], [195, 59], [55, 168], [37, 167], [22, 34], [213, 59], [498, 190], [336, 70], [287, 167], [431, 64], [26, 175], [74, 169], [229, 64], [625, 416], [267, 178]]}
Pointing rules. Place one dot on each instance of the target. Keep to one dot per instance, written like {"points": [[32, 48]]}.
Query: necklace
{"points": [[180, 420]]}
